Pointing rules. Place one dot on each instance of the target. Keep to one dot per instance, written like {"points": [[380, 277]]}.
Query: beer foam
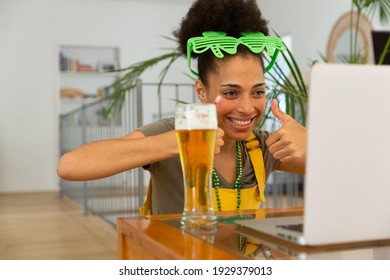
{"points": [[195, 116]]}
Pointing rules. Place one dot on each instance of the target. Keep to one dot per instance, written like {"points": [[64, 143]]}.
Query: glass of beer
{"points": [[196, 126]]}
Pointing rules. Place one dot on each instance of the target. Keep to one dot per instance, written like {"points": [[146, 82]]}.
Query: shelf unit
{"points": [[85, 74]]}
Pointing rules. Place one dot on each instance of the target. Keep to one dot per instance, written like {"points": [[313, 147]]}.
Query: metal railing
{"points": [[122, 194], [118, 195]]}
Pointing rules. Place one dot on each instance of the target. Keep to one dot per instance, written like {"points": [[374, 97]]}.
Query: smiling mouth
{"points": [[241, 123]]}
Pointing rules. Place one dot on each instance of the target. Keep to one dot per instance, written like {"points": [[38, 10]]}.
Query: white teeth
{"points": [[242, 123]]}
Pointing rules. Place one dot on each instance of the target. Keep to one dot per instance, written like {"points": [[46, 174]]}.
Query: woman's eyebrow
{"points": [[231, 85], [259, 85], [238, 86]]}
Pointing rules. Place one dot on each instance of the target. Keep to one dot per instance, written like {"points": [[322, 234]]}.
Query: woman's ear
{"points": [[200, 91]]}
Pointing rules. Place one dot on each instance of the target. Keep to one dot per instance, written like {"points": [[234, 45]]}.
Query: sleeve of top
{"points": [[156, 128]]}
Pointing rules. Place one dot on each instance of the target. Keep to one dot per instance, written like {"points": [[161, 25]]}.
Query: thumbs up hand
{"points": [[288, 144]]}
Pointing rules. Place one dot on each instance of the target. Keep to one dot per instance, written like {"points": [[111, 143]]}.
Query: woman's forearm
{"points": [[105, 158]]}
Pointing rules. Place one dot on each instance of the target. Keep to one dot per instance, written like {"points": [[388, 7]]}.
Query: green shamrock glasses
{"points": [[256, 42]]}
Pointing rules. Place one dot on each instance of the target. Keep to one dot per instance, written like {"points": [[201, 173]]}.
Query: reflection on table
{"points": [[160, 237]]}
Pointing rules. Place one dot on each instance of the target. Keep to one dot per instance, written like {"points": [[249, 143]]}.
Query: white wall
{"points": [[32, 30]]}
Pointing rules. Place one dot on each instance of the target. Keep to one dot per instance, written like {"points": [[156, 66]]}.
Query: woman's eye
{"points": [[259, 93], [230, 93]]}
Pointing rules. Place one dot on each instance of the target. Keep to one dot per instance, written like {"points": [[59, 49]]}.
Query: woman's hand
{"points": [[220, 133], [219, 140], [288, 144]]}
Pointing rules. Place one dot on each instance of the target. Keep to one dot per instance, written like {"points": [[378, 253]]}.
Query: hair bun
{"points": [[229, 16]]}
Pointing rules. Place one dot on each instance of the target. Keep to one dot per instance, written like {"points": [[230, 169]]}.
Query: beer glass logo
{"points": [[196, 117]]}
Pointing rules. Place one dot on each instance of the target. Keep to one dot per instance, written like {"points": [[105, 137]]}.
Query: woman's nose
{"points": [[245, 105]]}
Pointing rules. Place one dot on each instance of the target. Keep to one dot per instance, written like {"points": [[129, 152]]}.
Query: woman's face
{"points": [[239, 81]]}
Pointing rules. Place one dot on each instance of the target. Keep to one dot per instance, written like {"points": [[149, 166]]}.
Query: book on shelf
{"points": [[70, 64]]}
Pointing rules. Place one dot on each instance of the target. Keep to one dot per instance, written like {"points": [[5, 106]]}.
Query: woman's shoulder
{"points": [[158, 127]]}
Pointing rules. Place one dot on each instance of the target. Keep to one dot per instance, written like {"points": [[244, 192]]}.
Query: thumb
{"points": [[279, 114]]}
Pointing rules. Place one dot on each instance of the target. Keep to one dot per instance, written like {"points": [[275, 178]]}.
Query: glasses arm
{"points": [[189, 50], [272, 62]]}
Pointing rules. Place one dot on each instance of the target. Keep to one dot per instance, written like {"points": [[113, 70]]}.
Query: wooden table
{"points": [[160, 237]]}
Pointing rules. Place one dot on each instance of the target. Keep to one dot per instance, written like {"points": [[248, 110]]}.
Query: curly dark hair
{"points": [[229, 16]]}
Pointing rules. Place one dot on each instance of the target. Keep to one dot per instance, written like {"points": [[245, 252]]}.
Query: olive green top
{"points": [[167, 177]]}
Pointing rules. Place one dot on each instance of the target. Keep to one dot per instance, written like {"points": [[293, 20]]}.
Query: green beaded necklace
{"points": [[237, 183]]}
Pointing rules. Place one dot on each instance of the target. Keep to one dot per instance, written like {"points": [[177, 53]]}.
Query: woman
{"points": [[235, 83]]}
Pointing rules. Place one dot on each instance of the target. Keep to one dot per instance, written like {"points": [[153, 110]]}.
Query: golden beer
{"points": [[196, 148], [196, 154]]}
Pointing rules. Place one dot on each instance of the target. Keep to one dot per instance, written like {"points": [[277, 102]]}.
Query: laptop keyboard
{"points": [[297, 227]]}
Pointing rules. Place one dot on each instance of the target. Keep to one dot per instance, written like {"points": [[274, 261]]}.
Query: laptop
{"points": [[347, 181]]}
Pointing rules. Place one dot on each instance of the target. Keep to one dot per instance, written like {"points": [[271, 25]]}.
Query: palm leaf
{"points": [[373, 6], [293, 88], [385, 51], [131, 74]]}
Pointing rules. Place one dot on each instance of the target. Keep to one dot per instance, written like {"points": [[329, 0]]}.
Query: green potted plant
{"points": [[369, 8]]}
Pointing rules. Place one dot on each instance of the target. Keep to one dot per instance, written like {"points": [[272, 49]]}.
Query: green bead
{"points": [[237, 183]]}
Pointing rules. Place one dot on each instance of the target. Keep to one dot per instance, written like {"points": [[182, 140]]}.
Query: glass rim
{"points": [[188, 117]]}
